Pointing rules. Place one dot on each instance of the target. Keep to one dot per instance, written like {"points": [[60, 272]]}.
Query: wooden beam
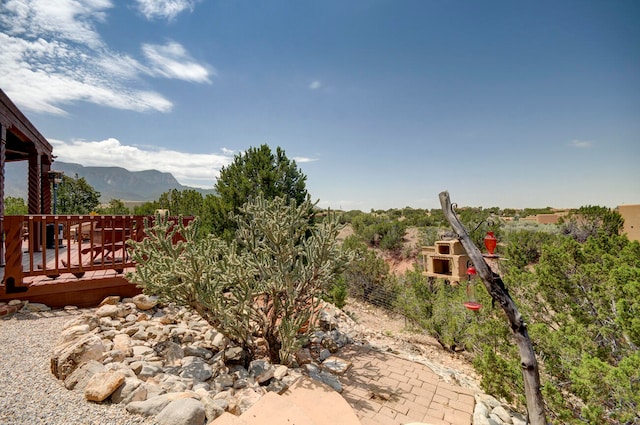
{"points": [[498, 291]]}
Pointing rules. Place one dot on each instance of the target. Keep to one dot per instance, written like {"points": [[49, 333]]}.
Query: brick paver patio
{"points": [[384, 389]]}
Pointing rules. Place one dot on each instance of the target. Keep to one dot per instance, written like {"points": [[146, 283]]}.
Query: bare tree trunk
{"points": [[497, 290]]}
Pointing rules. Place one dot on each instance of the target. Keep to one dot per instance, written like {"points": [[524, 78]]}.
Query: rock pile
{"points": [[169, 363]]}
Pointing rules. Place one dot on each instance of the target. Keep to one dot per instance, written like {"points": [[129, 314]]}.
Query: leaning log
{"points": [[499, 293]]}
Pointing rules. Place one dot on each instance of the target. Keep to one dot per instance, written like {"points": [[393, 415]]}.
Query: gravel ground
{"points": [[29, 393]]}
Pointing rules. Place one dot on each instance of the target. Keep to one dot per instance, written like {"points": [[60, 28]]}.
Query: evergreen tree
{"points": [[76, 196], [257, 171]]}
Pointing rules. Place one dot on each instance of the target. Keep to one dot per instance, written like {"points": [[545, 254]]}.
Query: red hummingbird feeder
{"points": [[490, 242], [472, 282]]}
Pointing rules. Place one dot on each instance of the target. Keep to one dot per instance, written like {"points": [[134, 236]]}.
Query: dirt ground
{"points": [[391, 330]]}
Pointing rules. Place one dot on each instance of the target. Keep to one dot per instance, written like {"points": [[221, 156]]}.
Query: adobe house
{"points": [[446, 260], [21, 141], [631, 216]]}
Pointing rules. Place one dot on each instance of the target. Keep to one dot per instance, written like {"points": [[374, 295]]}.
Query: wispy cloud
{"points": [[52, 55], [196, 170], [303, 159], [171, 60], [315, 85], [581, 144], [164, 9], [69, 20]]}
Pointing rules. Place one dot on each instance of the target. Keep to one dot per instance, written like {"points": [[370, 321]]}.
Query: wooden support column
{"points": [[3, 154], [35, 172], [46, 185], [499, 293], [34, 200]]}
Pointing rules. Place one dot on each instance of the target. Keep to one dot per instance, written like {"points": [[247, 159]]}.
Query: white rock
{"points": [[154, 405], [144, 302], [108, 310], [187, 411], [502, 413], [74, 332], [36, 307], [67, 357]]}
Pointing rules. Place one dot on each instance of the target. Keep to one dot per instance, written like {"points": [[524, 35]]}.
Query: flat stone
{"points": [[36, 307], [141, 350], [171, 352], [122, 342], [280, 372], [67, 357], [303, 356], [144, 302], [196, 368], [336, 365], [212, 408], [112, 300], [502, 413], [262, 370], [247, 397], [148, 370], [108, 310], [102, 385], [80, 377], [234, 354], [154, 405], [186, 411]]}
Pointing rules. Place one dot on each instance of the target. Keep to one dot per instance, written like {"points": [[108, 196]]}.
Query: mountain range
{"points": [[111, 182]]}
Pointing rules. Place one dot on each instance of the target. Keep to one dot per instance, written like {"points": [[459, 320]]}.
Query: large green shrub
{"points": [[256, 171], [265, 284], [581, 302]]}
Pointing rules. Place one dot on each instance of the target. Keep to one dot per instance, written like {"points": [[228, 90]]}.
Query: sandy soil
{"points": [[391, 330]]}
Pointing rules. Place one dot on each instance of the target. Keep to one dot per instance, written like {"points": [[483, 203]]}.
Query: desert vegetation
{"points": [[577, 284], [261, 255]]}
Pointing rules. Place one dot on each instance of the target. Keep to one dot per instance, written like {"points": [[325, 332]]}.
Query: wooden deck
{"points": [[80, 265]]}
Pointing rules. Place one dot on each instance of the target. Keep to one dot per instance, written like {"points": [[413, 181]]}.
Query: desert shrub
{"points": [[266, 283], [415, 297], [578, 301], [338, 292], [524, 247], [590, 221], [368, 277], [382, 233]]}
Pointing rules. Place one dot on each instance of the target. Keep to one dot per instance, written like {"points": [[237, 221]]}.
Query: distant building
{"points": [[546, 218], [631, 216]]}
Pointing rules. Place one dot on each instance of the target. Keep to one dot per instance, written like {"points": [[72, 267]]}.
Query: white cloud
{"points": [[52, 55], [164, 9], [303, 159], [71, 20], [196, 170], [315, 85], [172, 61], [581, 144]]}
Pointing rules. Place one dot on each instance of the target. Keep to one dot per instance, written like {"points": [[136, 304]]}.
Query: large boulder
{"points": [[68, 356], [102, 385], [186, 411]]}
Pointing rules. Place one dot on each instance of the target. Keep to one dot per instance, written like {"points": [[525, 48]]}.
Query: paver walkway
{"points": [[384, 389]]}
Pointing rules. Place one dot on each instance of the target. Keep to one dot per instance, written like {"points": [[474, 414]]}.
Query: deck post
{"points": [[3, 153]]}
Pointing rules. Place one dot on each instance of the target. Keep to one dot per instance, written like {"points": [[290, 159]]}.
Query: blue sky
{"points": [[383, 104]]}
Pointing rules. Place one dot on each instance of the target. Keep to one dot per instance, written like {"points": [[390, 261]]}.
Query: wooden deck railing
{"points": [[51, 245]]}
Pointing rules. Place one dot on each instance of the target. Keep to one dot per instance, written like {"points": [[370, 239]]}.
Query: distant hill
{"points": [[111, 182]]}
